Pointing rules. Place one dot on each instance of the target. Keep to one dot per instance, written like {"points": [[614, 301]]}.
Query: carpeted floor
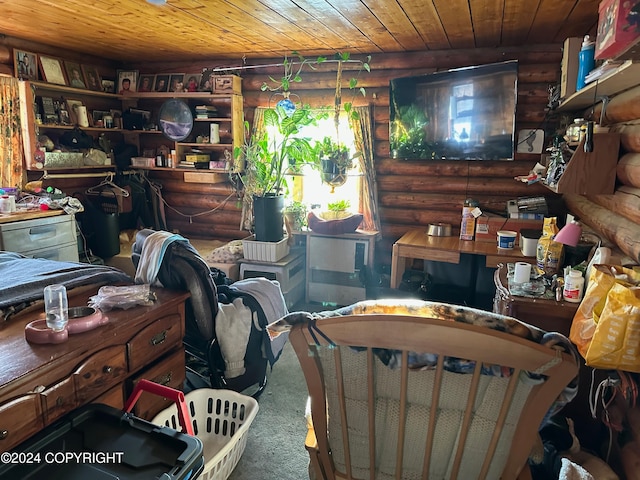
{"points": [[275, 447]]}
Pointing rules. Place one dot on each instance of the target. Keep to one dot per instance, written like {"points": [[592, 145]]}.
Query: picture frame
{"points": [[117, 117], [192, 81], [25, 65], [108, 85], [127, 82], [72, 108], [97, 118], [65, 118], [51, 70], [176, 82], [92, 77], [145, 83], [162, 83], [206, 80], [74, 75]]}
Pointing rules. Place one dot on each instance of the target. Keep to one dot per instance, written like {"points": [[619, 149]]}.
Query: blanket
{"points": [[443, 311], [24, 279]]}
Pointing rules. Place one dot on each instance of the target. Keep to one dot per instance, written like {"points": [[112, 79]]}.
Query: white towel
{"points": [[153, 250]]}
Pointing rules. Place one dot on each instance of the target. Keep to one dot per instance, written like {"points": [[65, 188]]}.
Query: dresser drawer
{"points": [[153, 341], [62, 253], [114, 397], [37, 234], [170, 372], [99, 372], [59, 399], [20, 418]]}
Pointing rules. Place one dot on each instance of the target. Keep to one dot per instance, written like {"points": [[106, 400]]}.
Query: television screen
{"points": [[462, 114]]}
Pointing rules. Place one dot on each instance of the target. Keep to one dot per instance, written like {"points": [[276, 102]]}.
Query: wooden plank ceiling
{"points": [[135, 30]]}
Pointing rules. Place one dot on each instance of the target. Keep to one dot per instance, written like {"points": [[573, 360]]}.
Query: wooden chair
{"points": [[371, 421]]}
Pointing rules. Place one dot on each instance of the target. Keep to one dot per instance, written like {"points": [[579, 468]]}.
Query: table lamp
{"points": [[569, 234]]}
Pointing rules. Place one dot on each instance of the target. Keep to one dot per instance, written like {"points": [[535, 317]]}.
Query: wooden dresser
{"points": [[40, 383]]}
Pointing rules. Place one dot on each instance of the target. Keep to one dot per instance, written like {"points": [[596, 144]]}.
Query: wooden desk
{"points": [[40, 383], [417, 244]]}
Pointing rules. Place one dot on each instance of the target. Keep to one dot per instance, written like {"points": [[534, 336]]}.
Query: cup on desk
{"points": [[56, 307]]}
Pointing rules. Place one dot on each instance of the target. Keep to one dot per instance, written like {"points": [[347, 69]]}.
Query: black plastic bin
{"points": [[109, 445]]}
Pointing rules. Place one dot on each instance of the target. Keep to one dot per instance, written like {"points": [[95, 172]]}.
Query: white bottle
{"points": [[573, 286]]}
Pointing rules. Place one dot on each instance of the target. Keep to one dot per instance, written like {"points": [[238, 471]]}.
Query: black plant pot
{"points": [[267, 217]]}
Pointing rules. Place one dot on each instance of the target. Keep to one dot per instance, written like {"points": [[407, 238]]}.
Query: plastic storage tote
{"points": [[221, 420], [109, 444]]}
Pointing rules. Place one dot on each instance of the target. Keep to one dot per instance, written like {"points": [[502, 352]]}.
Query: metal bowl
{"points": [[439, 229]]}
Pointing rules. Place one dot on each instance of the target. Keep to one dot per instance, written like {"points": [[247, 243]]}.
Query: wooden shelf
{"points": [[594, 172], [622, 78], [71, 127], [77, 91]]}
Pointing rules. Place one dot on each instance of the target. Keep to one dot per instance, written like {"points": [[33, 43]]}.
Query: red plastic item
{"points": [[175, 395]]}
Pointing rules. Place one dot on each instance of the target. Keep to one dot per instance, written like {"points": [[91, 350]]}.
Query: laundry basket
{"points": [[221, 420]]}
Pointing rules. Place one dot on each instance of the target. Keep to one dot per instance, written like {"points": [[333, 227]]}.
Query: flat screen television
{"points": [[461, 114]]}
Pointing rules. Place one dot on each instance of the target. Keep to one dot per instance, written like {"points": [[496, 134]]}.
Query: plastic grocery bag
{"points": [[589, 314], [616, 340]]}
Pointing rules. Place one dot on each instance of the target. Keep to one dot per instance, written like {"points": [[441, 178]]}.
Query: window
{"points": [[309, 188]]}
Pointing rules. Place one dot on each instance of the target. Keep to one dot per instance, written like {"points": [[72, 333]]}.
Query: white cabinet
{"points": [[51, 237], [335, 264]]}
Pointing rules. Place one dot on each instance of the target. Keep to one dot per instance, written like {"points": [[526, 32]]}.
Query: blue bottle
{"points": [[586, 61]]}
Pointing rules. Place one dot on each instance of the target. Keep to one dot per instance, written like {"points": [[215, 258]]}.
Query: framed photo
{"points": [[176, 82], [108, 85], [51, 70], [65, 119], [74, 74], [192, 81], [25, 65], [145, 84], [97, 118], [127, 82], [206, 81], [162, 83], [117, 118], [92, 78], [75, 113]]}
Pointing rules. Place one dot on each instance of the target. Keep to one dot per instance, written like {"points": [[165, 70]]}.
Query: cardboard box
{"points": [[570, 60], [488, 224], [617, 27], [227, 84]]}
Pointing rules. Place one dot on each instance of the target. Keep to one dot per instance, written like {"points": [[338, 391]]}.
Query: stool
{"points": [[289, 272]]}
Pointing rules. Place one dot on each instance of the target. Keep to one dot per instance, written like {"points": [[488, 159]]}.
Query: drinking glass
{"points": [[56, 307]]}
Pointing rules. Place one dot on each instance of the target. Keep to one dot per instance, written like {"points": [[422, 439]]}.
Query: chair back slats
{"points": [[435, 399], [378, 417], [404, 373], [371, 403], [468, 412], [502, 416], [337, 357]]}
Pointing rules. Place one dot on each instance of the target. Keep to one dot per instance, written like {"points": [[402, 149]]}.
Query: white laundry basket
{"points": [[221, 420]]}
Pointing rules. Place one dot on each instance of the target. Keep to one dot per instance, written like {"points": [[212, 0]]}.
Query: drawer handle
{"points": [[59, 401], [164, 379], [4, 434], [159, 338], [107, 369]]}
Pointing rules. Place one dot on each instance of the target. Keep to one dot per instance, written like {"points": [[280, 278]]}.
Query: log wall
{"points": [[411, 193], [414, 193], [617, 217]]}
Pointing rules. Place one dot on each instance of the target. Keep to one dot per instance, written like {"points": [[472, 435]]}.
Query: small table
{"points": [[417, 244]]}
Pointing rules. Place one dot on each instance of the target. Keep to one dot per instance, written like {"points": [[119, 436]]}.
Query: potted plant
{"points": [[335, 161], [295, 214], [337, 210], [267, 159]]}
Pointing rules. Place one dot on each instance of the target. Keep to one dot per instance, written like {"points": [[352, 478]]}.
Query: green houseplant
{"points": [[295, 215], [267, 159]]}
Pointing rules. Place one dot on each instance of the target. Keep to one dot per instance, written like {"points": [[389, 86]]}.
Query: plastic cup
{"points": [[56, 307]]}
